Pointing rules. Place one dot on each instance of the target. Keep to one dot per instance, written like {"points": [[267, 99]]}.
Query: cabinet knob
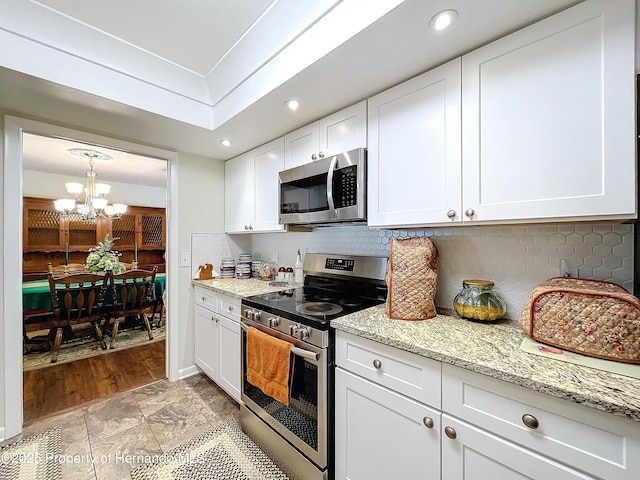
{"points": [[377, 364], [321, 154], [230, 308], [314, 156], [450, 432], [204, 299], [469, 212], [246, 227], [428, 422], [530, 421], [451, 214]]}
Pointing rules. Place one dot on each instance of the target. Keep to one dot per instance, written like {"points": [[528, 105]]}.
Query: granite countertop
{"points": [[240, 288], [493, 349]]}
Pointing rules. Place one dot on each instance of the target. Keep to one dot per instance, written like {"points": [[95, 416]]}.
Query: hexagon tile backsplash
{"points": [[516, 258]]}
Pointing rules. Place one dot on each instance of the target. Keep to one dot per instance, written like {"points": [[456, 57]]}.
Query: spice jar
{"points": [[479, 301]]}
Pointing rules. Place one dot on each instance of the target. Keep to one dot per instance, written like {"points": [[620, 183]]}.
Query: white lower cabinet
{"points": [[549, 431], [217, 339], [474, 454], [400, 415], [381, 434]]}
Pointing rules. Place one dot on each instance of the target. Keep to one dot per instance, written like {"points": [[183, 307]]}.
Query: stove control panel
{"points": [[342, 264]]}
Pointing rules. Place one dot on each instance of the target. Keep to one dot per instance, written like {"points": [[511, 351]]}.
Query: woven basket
{"points": [[591, 317], [411, 277]]}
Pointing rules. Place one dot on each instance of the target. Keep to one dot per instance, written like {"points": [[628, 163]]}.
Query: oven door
{"points": [[304, 422], [329, 190]]}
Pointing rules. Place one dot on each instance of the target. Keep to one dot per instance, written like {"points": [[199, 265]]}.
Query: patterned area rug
{"points": [[33, 458], [89, 347], [223, 453]]}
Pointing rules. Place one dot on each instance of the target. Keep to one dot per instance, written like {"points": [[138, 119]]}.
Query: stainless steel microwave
{"points": [[330, 190]]}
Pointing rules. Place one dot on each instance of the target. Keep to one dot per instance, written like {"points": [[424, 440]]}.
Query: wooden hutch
{"points": [[46, 234]]}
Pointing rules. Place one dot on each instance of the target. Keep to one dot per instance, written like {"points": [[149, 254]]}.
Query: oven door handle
{"points": [[300, 352]]}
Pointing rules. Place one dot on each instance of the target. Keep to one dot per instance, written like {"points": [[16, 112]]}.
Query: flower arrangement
{"points": [[102, 257]]}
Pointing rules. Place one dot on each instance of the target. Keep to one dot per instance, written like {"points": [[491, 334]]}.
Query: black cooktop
{"points": [[320, 300]]}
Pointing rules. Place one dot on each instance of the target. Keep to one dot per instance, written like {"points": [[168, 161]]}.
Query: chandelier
{"points": [[95, 203]]}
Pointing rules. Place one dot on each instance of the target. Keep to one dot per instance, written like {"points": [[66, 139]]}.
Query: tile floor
{"points": [[149, 420]]}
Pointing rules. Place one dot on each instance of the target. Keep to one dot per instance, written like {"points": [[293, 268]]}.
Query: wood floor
{"points": [[61, 387]]}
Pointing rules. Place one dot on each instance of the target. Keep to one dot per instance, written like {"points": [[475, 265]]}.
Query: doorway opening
{"points": [[15, 182]]}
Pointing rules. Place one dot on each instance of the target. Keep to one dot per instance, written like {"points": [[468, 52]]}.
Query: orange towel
{"points": [[269, 364]]}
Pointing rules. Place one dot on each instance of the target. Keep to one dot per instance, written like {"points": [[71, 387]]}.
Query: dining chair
{"points": [[132, 295], [70, 268], [77, 298]]}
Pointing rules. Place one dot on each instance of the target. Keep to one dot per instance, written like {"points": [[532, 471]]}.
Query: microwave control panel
{"points": [[347, 187]]}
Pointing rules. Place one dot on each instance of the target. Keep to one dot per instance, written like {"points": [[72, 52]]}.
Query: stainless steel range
{"points": [[299, 437]]}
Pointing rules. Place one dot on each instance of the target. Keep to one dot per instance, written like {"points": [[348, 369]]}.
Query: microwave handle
{"points": [[332, 168]]}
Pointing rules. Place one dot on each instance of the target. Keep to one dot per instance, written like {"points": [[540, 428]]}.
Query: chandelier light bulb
{"points": [[74, 188], [102, 189]]}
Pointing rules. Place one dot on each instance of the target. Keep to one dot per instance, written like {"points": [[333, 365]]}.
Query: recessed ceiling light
{"points": [[443, 20], [292, 104], [226, 142]]}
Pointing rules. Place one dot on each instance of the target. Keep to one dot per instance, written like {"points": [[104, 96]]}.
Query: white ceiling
{"points": [[183, 75], [51, 155]]}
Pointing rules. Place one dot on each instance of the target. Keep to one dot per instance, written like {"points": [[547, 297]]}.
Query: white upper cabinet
{"points": [[251, 189], [337, 133], [548, 119], [414, 156], [238, 193], [547, 130]]}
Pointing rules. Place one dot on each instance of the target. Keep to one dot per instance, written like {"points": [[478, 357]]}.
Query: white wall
{"points": [[200, 209], [49, 185]]}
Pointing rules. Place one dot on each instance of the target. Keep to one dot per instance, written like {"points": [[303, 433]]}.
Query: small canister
{"points": [[478, 300]]}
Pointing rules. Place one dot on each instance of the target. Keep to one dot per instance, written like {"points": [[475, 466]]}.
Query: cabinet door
{"points": [[477, 455], [229, 357], [414, 160], [381, 434], [206, 341], [344, 130], [238, 194], [151, 231], [300, 145], [43, 229], [268, 160], [548, 117]]}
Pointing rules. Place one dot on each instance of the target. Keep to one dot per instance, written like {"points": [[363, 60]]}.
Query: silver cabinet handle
{"points": [[451, 214], [314, 156], [204, 299], [530, 421], [428, 422], [321, 154], [230, 308], [450, 432], [469, 212], [377, 364]]}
